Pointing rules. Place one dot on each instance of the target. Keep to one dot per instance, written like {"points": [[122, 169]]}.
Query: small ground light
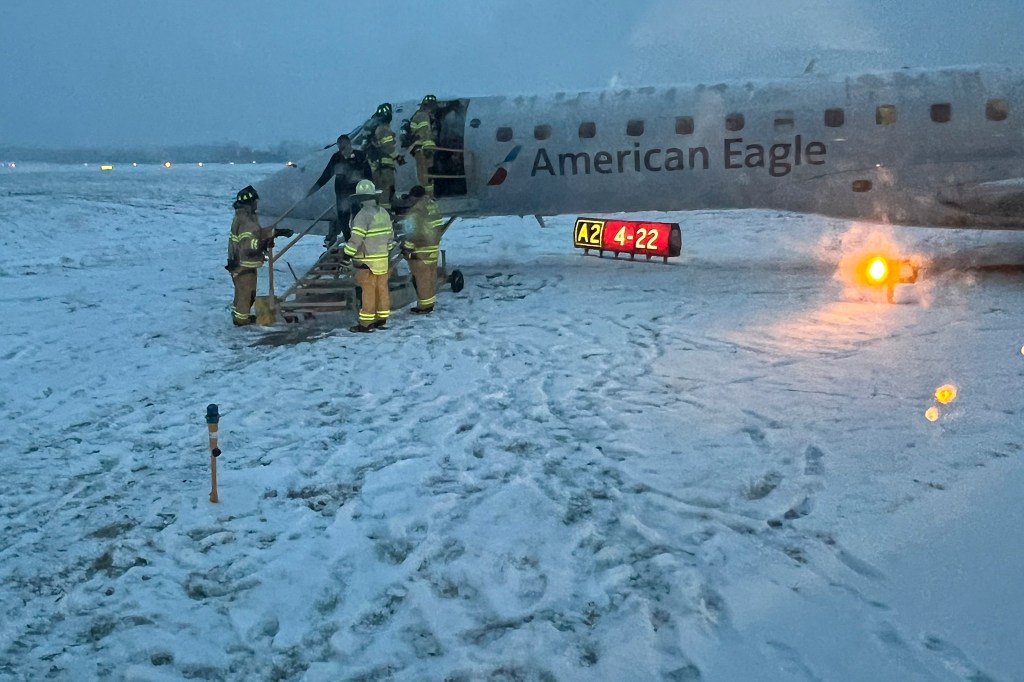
{"points": [[877, 270], [931, 414], [945, 394], [167, 164], [200, 164]]}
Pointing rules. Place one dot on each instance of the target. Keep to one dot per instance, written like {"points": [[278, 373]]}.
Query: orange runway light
{"points": [[931, 414], [945, 394], [877, 270]]}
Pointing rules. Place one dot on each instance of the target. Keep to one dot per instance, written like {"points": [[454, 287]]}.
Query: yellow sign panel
{"points": [[588, 233]]}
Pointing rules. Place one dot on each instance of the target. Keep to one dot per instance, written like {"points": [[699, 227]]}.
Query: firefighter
{"points": [[421, 128], [371, 240], [247, 250], [381, 150], [422, 246], [347, 166]]}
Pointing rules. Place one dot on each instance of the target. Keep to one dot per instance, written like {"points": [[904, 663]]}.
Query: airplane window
{"points": [[504, 134], [861, 185], [941, 113], [997, 110], [542, 132], [734, 122], [635, 127], [885, 115], [834, 118], [684, 125], [784, 120], [588, 129]]}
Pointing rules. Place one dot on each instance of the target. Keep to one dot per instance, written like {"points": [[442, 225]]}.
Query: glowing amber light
{"points": [[877, 270], [945, 394], [931, 414]]}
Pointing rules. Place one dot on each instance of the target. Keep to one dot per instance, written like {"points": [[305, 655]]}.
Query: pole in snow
{"points": [[212, 418]]}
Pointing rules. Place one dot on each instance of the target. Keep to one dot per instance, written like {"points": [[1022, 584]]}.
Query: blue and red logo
{"points": [[501, 173]]}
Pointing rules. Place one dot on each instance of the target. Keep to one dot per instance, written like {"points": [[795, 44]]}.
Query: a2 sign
{"points": [[637, 238]]}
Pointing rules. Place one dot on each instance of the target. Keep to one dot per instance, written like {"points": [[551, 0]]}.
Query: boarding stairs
{"points": [[330, 287]]}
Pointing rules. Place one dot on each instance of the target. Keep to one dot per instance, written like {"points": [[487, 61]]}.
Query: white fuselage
{"points": [[922, 147]]}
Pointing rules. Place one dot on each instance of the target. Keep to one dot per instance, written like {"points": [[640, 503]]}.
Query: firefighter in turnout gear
{"points": [[381, 151], [247, 250], [421, 128], [347, 166], [372, 237], [422, 246]]}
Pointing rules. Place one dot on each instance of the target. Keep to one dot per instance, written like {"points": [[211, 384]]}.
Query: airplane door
{"points": [[449, 169]]}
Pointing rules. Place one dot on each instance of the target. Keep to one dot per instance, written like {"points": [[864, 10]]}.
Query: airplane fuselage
{"points": [[921, 147]]}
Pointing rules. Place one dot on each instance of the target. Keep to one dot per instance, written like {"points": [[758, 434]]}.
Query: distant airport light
{"points": [[931, 414], [945, 394], [106, 167], [200, 164], [167, 164], [135, 165], [290, 164]]}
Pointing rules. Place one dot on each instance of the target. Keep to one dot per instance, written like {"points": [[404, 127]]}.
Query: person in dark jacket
{"points": [[247, 251], [347, 166]]}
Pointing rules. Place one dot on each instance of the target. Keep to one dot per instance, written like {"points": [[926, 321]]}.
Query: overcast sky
{"points": [[124, 72]]}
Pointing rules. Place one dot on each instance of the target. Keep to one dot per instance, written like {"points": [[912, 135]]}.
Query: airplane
{"points": [[929, 147]]}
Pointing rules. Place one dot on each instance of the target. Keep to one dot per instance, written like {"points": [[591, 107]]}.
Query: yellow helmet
{"points": [[366, 188]]}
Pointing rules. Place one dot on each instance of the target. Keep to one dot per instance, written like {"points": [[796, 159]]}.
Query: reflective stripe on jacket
{"points": [[245, 244], [422, 130], [384, 142], [372, 237], [427, 228]]}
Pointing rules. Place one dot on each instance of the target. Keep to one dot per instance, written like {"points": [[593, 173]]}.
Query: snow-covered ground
{"points": [[577, 469]]}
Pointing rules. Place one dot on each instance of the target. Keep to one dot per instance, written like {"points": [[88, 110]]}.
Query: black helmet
{"points": [[247, 195], [384, 112], [428, 99]]}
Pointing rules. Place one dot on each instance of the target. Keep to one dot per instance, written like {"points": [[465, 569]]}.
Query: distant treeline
{"points": [[191, 153]]}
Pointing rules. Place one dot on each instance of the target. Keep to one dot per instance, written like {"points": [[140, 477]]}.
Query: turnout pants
{"points": [[245, 295], [384, 180], [424, 160], [424, 275], [376, 303]]}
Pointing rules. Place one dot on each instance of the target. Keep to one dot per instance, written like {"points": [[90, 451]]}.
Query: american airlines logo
{"points": [[778, 159], [501, 173]]}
